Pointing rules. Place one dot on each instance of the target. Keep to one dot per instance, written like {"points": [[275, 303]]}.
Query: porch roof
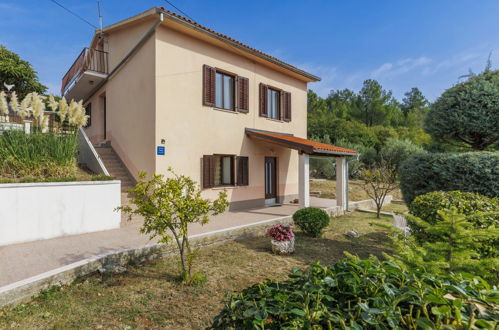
{"points": [[303, 145]]}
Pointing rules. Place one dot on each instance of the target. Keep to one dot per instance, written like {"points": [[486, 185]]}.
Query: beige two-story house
{"points": [[163, 91]]}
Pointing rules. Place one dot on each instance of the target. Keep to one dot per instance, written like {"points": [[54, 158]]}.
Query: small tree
{"points": [[467, 113], [378, 180], [456, 245], [16, 71], [168, 206]]}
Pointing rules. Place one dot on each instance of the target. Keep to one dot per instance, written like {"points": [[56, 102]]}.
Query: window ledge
{"points": [[225, 110], [224, 187], [276, 120]]}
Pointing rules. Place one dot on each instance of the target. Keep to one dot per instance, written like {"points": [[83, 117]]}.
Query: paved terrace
{"points": [[21, 261]]}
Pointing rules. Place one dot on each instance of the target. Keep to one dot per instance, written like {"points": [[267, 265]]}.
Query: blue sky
{"points": [[402, 44]]}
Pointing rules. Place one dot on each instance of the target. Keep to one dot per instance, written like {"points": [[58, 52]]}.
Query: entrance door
{"points": [[270, 181]]}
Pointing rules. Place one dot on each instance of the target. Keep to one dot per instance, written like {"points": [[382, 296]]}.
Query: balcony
{"points": [[90, 68]]}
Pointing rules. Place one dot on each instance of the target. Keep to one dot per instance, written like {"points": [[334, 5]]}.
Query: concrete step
{"points": [[115, 167]]}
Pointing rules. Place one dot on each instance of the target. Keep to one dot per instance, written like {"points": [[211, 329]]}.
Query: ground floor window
{"points": [[225, 170]]}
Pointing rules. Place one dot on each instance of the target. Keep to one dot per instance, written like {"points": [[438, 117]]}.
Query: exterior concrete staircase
{"points": [[115, 167]]}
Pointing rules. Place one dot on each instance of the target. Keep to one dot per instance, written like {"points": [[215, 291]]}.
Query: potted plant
{"points": [[282, 239]]}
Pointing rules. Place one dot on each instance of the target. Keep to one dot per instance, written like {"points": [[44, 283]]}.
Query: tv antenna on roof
{"points": [[100, 18]]}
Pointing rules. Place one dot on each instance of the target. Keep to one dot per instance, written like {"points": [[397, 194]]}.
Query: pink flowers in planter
{"points": [[281, 232]]}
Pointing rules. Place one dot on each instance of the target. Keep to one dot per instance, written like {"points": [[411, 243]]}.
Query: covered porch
{"points": [[306, 149]]}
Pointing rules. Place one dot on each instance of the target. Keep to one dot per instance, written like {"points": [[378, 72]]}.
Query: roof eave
{"points": [[318, 152]]}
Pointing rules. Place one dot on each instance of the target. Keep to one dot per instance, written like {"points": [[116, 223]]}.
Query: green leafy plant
{"points": [[169, 205], [452, 244], [426, 207], [311, 220], [475, 172], [102, 177], [466, 114], [38, 154], [14, 70], [362, 294], [395, 151]]}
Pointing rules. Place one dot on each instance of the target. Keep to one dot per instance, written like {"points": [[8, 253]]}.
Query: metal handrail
{"points": [[90, 59]]}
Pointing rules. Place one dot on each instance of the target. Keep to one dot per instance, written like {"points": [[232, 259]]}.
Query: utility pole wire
{"points": [[180, 10], [74, 14]]}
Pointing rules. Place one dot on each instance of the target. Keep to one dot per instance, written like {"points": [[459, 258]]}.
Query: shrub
{"points": [[102, 177], [396, 151], [281, 232], [361, 294], [480, 213], [452, 244], [311, 220], [471, 172], [38, 155], [426, 206]]}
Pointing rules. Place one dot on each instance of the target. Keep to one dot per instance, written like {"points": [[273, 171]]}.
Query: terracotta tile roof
{"points": [[307, 146], [244, 46]]}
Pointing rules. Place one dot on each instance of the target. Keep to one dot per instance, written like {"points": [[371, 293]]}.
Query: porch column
{"points": [[303, 180], [341, 182]]}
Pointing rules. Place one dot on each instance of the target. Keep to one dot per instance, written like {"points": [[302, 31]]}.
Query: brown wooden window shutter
{"points": [[242, 94], [208, 171], [263, 100], [286, 106], [242, 171], [208, 86]]}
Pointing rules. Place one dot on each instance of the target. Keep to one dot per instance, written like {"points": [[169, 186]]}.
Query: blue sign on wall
{"points": [[160, 151]]}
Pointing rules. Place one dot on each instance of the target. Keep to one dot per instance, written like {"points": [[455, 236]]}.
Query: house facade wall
{"points": [[130, 100], [191, 130]]}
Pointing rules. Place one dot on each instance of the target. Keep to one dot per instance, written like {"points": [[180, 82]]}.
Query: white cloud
{"points": [[431, 74], [400, 67]]}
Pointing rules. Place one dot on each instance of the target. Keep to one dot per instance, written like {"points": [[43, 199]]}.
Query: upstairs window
{"points": [[275, 103], [224, 91]]}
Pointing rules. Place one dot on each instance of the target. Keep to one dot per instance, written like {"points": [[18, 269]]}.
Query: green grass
{"points": [[150, 296], [355, 191]]}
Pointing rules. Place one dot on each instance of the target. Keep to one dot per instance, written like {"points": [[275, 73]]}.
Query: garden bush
{"points": [[38, 154], [395, 151], [311, 220], [480, 212], [471, 172], [362, 294], [426, 206]]}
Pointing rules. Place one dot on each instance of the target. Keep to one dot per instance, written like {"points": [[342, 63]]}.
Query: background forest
{"points": [[376, 124]]}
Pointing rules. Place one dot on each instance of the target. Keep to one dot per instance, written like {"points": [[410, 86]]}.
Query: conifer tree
{"points": [[454, 244]]}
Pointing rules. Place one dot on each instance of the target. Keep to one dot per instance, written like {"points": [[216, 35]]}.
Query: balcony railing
{"points": [[90, 59]]}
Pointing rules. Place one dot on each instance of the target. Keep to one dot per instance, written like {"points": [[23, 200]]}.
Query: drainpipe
{"points": [[125, 59]]}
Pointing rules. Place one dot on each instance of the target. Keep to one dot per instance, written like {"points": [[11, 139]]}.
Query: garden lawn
{"points": [[149, 295], [355, 192]]}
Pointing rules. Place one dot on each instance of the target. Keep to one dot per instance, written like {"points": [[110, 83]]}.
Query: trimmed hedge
{"points": [[480, 211], [362, 294], [426, 206], [311, 220], [476, 172]]}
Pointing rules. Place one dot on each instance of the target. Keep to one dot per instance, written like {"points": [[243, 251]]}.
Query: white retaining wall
{"points": [[34, 211]]}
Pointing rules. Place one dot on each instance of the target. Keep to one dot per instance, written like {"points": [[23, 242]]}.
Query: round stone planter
{"points": [[283, 247]]}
